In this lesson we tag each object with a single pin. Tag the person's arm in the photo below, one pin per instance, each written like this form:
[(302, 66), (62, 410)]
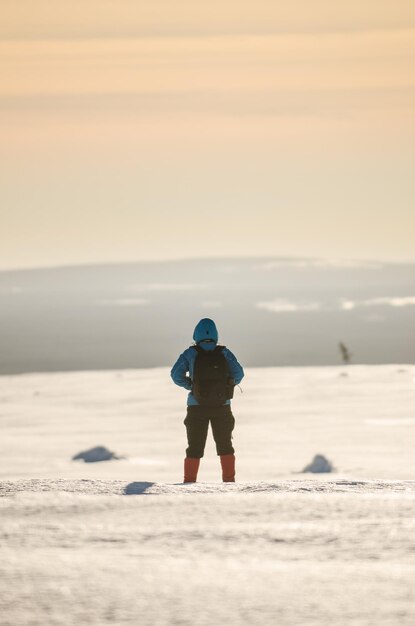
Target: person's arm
[(235, 368), (179, 373)]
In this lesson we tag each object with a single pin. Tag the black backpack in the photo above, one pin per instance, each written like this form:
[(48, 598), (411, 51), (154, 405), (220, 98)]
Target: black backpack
[(211, 385)]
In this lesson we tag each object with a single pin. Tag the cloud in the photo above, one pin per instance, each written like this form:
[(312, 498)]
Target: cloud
[(313, 263), (282, 305), (124, 302), (349, 305), (287, 306), (166, 287)]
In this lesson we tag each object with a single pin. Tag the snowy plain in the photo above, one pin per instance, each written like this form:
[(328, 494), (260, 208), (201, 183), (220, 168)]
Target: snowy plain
[(124, 542)]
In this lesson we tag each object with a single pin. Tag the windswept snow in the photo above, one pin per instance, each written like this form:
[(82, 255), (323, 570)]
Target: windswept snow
[(126, 542), (297, 552), (364, 423), (119, 487)]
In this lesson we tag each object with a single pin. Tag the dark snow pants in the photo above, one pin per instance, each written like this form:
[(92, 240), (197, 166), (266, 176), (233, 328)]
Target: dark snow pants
[(197, 425)]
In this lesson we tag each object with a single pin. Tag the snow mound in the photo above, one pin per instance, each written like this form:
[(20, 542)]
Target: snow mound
[(95, 455), (319, 465)]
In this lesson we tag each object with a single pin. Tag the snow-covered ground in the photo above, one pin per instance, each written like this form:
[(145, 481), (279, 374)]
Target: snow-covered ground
[(123, 541)]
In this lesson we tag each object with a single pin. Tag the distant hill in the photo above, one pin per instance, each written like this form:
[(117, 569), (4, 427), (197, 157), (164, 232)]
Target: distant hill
[(279, 311)]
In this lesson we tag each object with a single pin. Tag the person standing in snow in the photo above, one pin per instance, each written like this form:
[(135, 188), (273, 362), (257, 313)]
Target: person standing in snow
[(209, 372)]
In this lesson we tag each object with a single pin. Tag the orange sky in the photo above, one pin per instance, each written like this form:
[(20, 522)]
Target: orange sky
[(143, 130)]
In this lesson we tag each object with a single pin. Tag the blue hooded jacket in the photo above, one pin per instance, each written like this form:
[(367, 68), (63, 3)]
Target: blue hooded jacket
[(182, 370)]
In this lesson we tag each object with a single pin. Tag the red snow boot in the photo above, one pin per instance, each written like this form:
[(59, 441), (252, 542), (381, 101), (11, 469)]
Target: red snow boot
[(228, 468), (191, 467)]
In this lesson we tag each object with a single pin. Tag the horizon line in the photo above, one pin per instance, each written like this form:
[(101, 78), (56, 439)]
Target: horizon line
[(333, 261)]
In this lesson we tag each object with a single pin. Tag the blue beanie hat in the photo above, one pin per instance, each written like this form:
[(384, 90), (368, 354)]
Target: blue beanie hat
[(205, 329)]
